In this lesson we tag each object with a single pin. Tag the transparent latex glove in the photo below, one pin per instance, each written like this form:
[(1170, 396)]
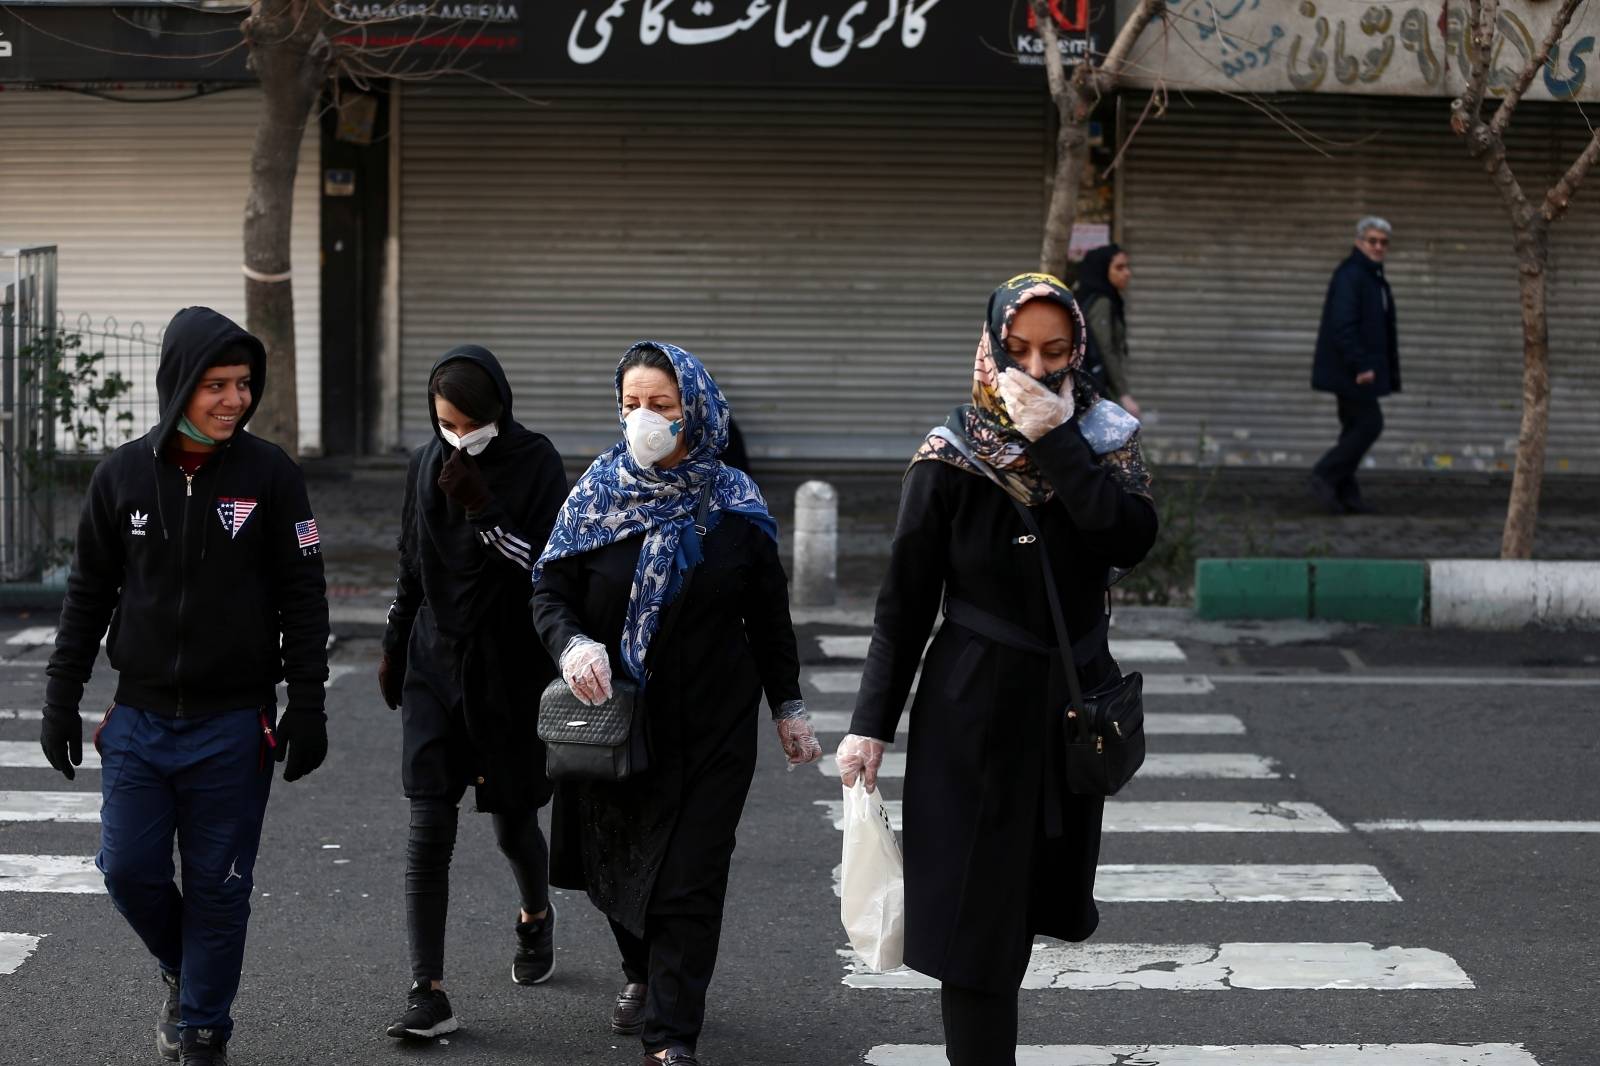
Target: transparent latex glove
[(862, 756), (1033, 408), (586, 669), (795, 734)]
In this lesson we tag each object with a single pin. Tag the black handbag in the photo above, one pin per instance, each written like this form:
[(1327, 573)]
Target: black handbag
[(609, 742), (1104, 730)]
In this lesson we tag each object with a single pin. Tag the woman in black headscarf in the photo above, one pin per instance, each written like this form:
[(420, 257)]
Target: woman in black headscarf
[(1103, 277), (996, 848), (462, 662)]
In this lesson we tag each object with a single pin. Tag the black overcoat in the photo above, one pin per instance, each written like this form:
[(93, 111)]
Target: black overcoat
[(995, 849), (459, 623), (1357, 332), (662, 841)]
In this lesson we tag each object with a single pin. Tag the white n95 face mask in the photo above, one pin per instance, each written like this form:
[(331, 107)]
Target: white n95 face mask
[(472, 443), (651, 437)]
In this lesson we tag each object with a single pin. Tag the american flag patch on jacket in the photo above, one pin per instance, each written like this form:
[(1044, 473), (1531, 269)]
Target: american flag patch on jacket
[(306, 533)]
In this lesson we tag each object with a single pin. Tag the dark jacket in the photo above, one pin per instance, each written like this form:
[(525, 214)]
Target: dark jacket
[(995, 849), (1357, 333), (213, 589), (664, 839), (470, 572)]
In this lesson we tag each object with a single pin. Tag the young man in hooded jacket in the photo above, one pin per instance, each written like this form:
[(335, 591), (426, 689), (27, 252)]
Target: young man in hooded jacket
[(197, 547)]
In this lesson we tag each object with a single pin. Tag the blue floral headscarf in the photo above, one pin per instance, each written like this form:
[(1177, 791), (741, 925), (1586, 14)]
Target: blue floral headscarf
[(616, 498)]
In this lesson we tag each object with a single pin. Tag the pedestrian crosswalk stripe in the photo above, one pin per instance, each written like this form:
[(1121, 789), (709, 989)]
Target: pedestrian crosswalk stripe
[(1135, 651), (1174, 816), (33, 637), (1228, 1055), (1468, 826), (1161, 723), (1223, 766), (1243, 883), (14, 950), (16, 714), (49, 806), (1210, 968), (834, 682), (27, 755), (50, 873)]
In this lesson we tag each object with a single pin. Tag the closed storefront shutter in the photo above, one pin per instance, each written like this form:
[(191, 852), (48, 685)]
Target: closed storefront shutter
[(145, 201), (1234, 225), (827, 253)]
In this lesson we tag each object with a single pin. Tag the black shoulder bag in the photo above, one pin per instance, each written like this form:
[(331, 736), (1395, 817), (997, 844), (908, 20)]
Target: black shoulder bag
[(609, 742), (1105, 729)]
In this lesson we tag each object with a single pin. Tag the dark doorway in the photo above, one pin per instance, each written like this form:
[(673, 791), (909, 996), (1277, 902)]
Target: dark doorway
[(355, 213)]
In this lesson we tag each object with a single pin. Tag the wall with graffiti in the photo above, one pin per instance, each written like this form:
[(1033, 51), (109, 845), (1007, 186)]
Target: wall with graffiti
[(1419, 48)]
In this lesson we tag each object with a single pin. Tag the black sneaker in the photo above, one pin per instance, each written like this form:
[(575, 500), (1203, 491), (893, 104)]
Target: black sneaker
[(427, 1015), (535, 959), (204, 1047), (167, 1044)]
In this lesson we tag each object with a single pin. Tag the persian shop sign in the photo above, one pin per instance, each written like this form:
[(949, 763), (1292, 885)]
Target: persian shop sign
[(1404, 48)]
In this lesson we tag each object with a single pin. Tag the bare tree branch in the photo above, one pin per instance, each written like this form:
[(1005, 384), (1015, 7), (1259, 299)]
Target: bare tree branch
[(1482, 20), (1110, 69), (1513, 97), (1054, 69), (1559, 197)]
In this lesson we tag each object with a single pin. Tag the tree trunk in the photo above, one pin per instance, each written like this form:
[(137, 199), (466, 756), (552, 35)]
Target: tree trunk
[(1072, 141), (291, 72), (1522, 513)]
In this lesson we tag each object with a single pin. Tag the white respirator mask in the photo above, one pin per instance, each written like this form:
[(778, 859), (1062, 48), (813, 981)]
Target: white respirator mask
[(472, 443), (651, 437)]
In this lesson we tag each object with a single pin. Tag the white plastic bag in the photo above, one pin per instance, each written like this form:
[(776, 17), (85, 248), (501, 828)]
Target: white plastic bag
[(872, 881)]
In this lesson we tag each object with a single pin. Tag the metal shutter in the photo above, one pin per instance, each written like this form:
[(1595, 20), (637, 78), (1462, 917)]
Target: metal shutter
[(1233, 226), (828, 253), (146, 204)]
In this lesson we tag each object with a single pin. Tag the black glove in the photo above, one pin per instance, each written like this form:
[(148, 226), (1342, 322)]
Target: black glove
[(391, 678), (302, 742), (61, 737), (462, 481)]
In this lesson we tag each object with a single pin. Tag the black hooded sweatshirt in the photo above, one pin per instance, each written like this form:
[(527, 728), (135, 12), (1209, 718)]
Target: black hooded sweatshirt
[(212, 585), (472, 570)]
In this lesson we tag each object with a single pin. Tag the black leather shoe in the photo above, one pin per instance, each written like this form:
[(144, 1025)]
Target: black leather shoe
[(627, 1017), (675, 1057), (1326, 496)]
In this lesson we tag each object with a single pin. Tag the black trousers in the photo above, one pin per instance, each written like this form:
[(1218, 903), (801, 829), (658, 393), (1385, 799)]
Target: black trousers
[(1360, 425), (675, 959), (980, 1028), (428, 852)]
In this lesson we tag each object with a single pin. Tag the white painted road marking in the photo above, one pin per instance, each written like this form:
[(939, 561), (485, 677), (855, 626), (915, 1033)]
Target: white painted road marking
[(1160, 724), (1211, 968), (1431, 680), (49, 806), (33, 637), (50, 873), (1136, 651), (1126, 816), (1226, 766), (834, 682), (11, 714), (1448, 826), (27, 755), (1228, 1055), (1243, 883), (1236, 884), (14, 950)]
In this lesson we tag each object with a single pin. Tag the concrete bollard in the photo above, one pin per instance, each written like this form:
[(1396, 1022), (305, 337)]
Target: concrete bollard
[(816, 544)]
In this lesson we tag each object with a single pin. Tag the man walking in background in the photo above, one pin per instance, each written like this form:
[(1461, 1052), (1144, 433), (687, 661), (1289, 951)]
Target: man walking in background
[(1358, 360)]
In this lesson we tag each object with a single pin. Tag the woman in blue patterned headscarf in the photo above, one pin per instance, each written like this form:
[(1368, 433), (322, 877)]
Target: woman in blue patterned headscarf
[(653, 851)]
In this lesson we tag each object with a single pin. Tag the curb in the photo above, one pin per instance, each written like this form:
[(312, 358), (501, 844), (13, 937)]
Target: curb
[(1491, 594)]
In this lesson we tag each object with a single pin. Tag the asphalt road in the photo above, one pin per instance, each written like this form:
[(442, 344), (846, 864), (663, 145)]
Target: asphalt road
[(1364, 727)]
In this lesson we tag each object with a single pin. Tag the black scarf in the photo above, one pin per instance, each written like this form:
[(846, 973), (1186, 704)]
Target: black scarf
[(1094, 279)]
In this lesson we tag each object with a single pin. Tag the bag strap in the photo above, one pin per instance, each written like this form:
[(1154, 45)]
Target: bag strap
[(1057, 618)]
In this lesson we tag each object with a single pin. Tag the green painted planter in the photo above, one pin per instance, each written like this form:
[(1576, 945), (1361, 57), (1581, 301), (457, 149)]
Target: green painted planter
[(1252, 588), (1385, 591)]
